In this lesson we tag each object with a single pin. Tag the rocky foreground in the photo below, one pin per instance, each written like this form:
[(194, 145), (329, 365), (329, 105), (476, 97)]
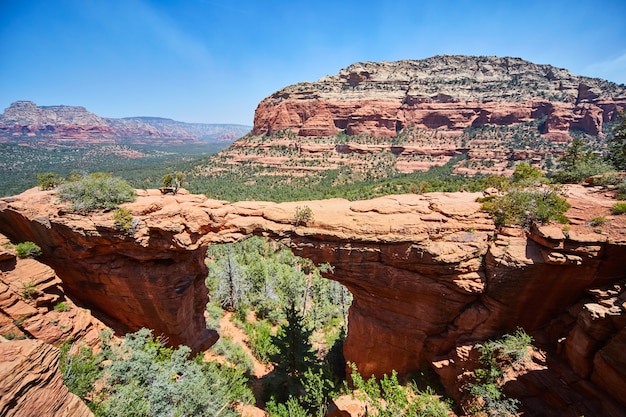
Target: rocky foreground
[(430, 275)]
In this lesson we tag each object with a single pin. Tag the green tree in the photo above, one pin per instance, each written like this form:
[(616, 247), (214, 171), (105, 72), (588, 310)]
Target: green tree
[(294, 356), (232, 287), (526, 174), (578, 162), (145, 378), (48, 180), (617, 145)]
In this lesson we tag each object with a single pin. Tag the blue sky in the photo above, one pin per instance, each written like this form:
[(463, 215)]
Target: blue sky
[(213, 61)]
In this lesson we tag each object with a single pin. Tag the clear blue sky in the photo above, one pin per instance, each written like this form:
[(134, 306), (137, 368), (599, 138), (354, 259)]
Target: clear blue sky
[(213, 61)]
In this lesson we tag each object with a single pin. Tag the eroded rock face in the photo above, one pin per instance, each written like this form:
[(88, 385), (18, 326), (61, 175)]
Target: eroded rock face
[(428, 272), (442, 92), (32, 384), (33, 304)]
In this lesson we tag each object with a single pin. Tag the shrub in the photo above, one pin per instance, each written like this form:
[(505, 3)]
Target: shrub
[(303, 215), (80, 371), (142, 377), (48, 180), (29, 290), (96, 191), (27, 250), (618, 208), (523, 207), (260, 340), (598, 221), (62, 307), (579, 163), (526, 174), (617, 144), (494, 354), (498, 182), (621, 190), (387, 398), (171, 183), (124, 220), (233, 353)]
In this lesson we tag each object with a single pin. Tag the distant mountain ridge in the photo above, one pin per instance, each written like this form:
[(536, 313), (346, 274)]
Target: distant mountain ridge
[(24, 119)]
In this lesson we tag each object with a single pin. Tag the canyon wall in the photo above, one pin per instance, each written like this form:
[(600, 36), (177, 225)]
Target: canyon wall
[(442, 92), (428, 273)]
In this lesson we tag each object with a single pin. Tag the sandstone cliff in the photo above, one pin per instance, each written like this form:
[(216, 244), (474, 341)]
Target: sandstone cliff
[(429, 273), (65, 125), (442, 92), (381, 119), (32, 384)]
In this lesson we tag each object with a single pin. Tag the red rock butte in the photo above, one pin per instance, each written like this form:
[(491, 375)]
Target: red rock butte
[(428, 273), (442, 92)]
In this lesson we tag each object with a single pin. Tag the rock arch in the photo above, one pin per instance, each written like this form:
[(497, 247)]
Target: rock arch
[(428, 272)]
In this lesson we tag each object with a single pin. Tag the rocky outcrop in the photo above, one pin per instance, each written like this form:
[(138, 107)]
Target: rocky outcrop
[(428, 272), (32, 384), (74, 125), (33, 304), (442, 92)]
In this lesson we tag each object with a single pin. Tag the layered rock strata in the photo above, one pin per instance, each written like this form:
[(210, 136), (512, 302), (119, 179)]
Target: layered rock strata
[(428, 272), (33, 304), (442, 92), (32, 384)]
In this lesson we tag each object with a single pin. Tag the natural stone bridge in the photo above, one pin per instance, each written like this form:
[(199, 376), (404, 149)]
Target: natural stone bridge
[(427, 272)]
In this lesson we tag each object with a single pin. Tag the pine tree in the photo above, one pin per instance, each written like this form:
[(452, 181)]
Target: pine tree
[(617, 145), (295, 354)]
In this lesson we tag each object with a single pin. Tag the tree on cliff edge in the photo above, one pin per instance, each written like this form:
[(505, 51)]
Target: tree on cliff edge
[(617, 145)]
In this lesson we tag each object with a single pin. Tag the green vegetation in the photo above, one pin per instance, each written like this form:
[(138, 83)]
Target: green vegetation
[(598, 221), (618, 208), (528, 200), (617, 144), (80, 370), (143, 166), (29, 290), (495, 356), (621, 190), (387, 398), (171, 183), (578, 163), (142, 377), (292, 307), (27, 250), (124, 220), (96, 191), (526, 174), (260, 338), (234, 354), (49, 180), (62, 307), (266, 277), (303, 215), (523, 207), (251, 182)]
